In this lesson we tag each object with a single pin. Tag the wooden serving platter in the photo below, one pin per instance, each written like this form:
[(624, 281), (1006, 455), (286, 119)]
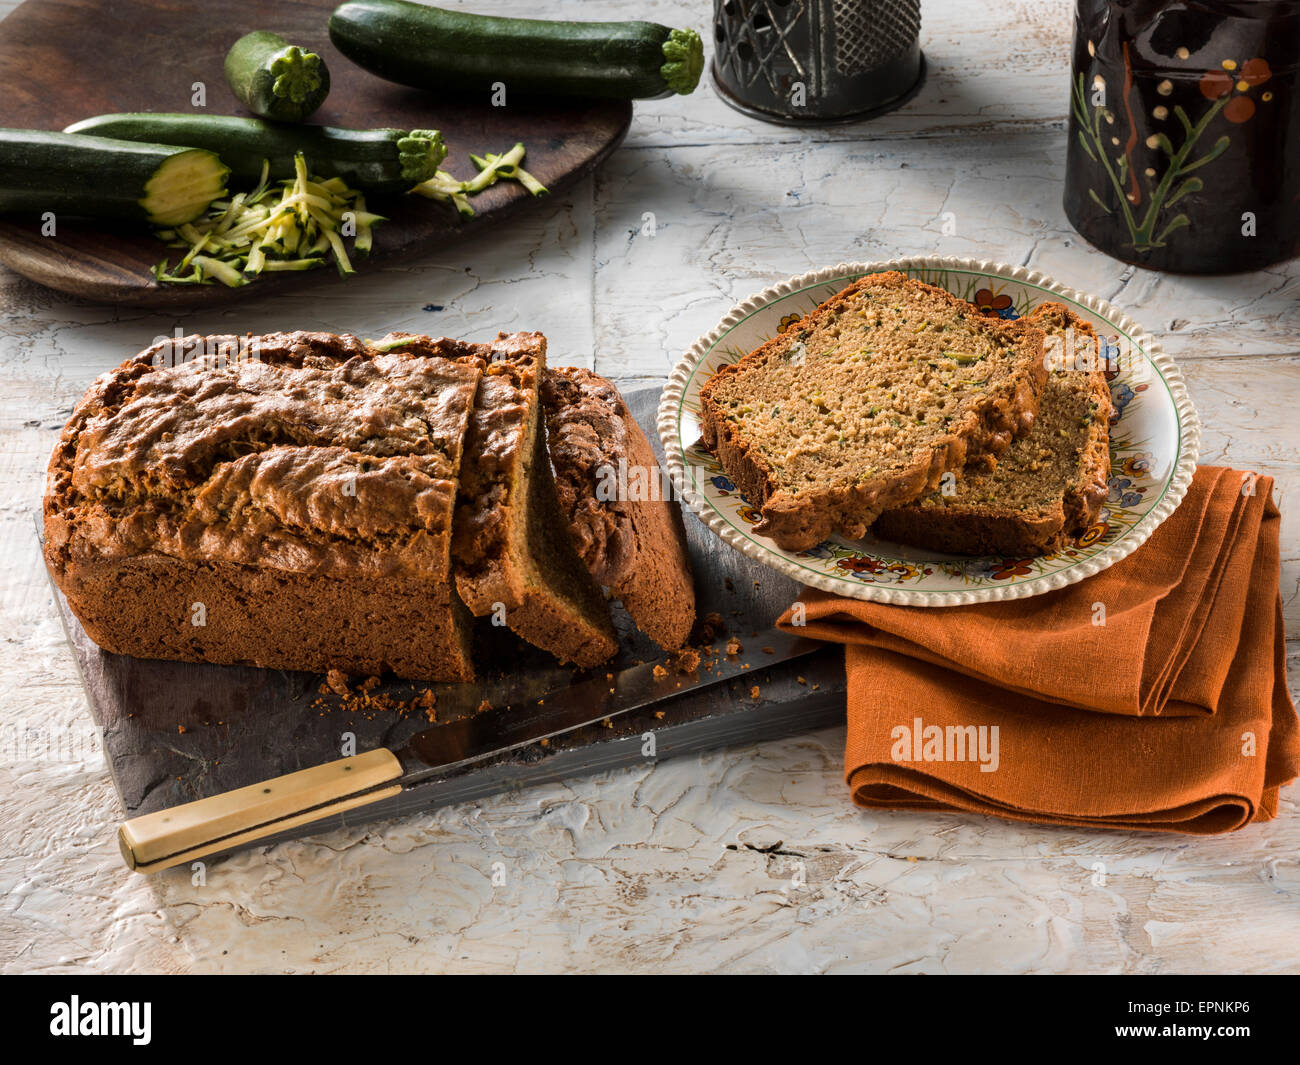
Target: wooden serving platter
[(178, 731), (64, 60)]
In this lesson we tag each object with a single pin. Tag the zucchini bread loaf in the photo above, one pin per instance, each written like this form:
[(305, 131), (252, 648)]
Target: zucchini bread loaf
[(1049, 485), (625, 528), (866, 402), (283, 501)]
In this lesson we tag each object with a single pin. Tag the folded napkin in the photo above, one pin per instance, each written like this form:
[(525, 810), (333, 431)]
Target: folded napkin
[(1152, 696)]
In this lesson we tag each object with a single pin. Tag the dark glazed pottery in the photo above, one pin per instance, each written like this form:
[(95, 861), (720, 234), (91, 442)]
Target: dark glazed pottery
[(1184, 150)]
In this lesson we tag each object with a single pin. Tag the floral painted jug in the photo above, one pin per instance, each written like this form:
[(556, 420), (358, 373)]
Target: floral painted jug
[(1184, 150)]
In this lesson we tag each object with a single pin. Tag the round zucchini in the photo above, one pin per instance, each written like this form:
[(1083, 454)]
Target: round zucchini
[(275, 79), (431, 48), (377, 160), (95, 176)]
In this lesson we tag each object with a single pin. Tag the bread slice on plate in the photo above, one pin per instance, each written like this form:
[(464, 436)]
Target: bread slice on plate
[(626, 528), (511, 549), (1049, 485), (866, 402)]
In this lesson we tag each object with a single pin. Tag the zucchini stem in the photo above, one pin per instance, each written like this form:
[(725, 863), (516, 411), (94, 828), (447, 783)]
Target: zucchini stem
[(683, 61), (420, 153), (297, 74)]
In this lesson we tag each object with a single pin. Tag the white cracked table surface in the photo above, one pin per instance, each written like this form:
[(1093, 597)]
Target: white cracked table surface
[(672, 867)]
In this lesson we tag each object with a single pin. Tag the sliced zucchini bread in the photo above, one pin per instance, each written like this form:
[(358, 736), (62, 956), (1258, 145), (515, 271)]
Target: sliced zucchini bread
[(623, 524), (865, 403), (511, 548), (1049, 485)]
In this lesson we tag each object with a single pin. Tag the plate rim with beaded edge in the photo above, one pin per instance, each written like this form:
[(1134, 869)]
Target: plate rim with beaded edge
[(1154, 445)]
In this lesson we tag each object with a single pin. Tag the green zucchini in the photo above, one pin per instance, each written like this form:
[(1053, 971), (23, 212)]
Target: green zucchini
[(275, 79), (94, 176), (430, 48), (377, 160)]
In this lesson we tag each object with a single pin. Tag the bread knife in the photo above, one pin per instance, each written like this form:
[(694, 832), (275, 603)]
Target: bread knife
[(232, 819)]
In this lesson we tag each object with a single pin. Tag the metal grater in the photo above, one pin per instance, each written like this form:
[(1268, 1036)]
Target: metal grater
[(817, 61)]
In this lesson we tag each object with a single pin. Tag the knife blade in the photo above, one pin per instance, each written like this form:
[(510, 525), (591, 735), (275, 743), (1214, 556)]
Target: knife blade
[(232, 819), (447, 747)]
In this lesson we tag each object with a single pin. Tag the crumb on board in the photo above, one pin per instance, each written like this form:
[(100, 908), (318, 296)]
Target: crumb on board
[(337, 681), (768, 651), (801, 680), (734, 646), (687, 660), (181, 729), (754, 692), (660, 672), (484, 705), (659, 715)]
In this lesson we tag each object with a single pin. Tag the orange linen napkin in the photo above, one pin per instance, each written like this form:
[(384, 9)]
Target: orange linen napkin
[(1173, 715)]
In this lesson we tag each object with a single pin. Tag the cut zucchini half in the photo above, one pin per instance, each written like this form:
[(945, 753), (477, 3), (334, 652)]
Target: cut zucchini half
[(165, 185)]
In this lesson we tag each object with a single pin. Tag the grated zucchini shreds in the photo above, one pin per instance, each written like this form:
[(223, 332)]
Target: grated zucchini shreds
[(289, 226), (442, 186)]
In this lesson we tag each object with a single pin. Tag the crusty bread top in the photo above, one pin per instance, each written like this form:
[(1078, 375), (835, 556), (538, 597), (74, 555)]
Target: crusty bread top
[(492, 509), (293, 451), (587, 434), (626, 528)]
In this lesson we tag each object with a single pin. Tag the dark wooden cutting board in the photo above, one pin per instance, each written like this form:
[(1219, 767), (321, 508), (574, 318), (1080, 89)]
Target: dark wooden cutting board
[(64, 60), (179, 731)]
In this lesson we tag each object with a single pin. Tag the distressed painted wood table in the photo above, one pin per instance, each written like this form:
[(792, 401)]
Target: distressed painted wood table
[(746, 859)]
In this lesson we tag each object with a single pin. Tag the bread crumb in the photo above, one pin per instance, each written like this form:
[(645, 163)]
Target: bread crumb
[(687, 660), (815, 687), (734, 646), (768, 651), (659, 715), (660, 672), (544, 742), (608, 723), (370, 684), (801, 680), (181, 729), (484, 705), (754, 692), (338, 682)]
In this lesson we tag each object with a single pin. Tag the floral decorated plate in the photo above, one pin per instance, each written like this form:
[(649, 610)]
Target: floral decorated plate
[(1153, 444)]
